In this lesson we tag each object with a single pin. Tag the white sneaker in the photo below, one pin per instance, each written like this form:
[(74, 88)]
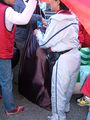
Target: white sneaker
[(53, 117)]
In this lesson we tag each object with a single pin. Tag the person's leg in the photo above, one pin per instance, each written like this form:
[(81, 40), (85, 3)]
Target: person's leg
[(63, 70), (54, 94), (70, 90), (6, 84), (86, 87), (85, 100), (60, 81)]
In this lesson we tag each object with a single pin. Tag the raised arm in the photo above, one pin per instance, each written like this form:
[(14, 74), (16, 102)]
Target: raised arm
[(21, 18)]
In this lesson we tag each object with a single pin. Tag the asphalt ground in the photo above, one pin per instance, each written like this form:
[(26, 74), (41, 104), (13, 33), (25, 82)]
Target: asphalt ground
[(34, 112)]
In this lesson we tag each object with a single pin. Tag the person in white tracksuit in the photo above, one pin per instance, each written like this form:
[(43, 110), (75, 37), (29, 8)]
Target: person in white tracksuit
[(66, 68)]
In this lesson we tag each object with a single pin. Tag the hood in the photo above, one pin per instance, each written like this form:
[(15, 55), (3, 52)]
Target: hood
[(66, 17)]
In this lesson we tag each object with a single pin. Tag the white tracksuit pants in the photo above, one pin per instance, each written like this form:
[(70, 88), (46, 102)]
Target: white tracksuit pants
[(64, 77)]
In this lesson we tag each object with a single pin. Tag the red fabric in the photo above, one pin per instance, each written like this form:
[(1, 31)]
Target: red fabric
[(47, 1), (82, 9), (64, 12), (6, 37), (84, 37), (86, 87)]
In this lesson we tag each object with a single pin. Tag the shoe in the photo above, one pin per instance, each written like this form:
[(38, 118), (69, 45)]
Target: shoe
[(53, 117), (18, 109), (83, 101)]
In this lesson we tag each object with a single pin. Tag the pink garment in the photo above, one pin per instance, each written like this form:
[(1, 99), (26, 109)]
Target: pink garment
[(86, 87)]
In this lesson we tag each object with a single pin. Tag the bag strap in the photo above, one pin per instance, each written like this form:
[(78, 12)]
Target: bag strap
[(58, 32)]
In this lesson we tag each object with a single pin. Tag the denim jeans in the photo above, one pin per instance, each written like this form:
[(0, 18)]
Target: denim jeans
[(88, 116), (6, 83)]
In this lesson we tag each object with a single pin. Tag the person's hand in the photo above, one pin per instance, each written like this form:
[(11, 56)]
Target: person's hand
[(25, 2), (38, 34), (35, 31), (44, 22), (33, 2)]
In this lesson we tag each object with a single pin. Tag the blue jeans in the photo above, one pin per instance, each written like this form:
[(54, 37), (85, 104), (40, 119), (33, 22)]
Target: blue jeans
[(88, 116), (6, 84)]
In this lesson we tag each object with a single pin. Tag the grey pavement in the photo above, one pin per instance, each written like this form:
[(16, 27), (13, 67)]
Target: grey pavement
[(34, 112)]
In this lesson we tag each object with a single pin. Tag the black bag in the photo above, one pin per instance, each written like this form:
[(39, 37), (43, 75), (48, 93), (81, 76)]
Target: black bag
[(16, 56), (52, 57)]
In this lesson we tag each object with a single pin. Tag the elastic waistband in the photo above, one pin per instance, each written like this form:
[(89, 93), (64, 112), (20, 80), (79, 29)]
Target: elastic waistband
[(61, 52)]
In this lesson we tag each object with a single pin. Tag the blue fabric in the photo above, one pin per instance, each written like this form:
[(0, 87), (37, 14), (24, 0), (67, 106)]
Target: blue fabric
[(21, 32), (19, 6), (6, 84), (84, 72), (88, 116)]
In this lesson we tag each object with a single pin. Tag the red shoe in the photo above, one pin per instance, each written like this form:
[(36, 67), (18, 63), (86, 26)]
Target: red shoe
[(18, 109)]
